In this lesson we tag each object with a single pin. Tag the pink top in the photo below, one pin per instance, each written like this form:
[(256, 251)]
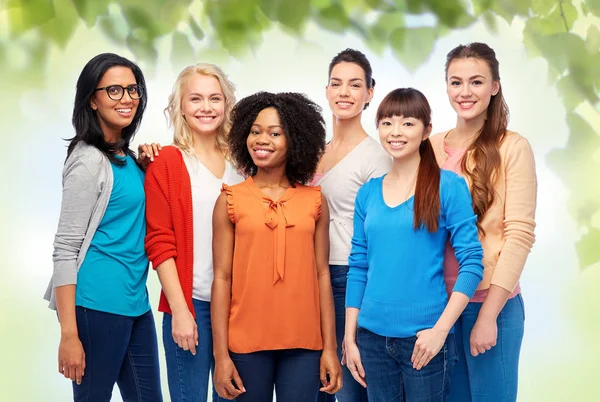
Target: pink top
[(316, 178), (453, 163)]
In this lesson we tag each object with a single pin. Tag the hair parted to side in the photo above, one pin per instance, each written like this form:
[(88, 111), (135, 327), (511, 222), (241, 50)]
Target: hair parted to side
[(85, 120), (356, 57), (409, 102), (485, 149), (182, 135), (303, 126)]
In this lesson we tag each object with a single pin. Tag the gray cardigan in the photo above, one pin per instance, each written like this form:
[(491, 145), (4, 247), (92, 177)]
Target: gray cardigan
[(87, 185)]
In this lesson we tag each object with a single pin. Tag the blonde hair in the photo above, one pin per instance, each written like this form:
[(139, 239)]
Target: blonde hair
[(182, 135)]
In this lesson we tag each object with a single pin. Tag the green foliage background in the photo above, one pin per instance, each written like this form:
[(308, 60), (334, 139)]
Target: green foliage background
[(565, 33)]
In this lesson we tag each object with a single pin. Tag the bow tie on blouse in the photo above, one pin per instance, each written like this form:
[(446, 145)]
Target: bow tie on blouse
[(276, 219)]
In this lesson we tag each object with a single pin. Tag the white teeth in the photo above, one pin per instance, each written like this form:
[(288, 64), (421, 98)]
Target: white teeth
[(262, 152), (123, 110), (206, 118)]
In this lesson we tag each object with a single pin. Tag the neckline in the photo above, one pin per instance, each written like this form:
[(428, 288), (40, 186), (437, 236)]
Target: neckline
[(327, 173), (192, 158), (288, 193), (383, 198)]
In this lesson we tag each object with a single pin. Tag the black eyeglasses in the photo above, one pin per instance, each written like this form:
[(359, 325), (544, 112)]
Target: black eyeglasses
[(116, 92)]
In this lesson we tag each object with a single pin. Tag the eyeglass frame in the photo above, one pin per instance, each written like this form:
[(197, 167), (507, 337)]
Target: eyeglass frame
[(139, 87)]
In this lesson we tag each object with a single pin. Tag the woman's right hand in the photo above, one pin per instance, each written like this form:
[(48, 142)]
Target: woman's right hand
[(71, 358), (185, 330), (228, 383), (354, 363)]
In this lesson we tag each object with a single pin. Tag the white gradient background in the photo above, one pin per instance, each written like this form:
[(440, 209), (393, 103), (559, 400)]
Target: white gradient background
[(560, 351)]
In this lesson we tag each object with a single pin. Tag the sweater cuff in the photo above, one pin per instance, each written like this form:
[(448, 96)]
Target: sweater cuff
[(467, 283), (354, 294)]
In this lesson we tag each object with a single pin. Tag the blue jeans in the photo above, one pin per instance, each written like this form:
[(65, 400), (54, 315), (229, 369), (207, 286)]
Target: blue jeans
[(293, 372), (492, 376), (351, 391), (187, 374), (390, 375), (118, 349)]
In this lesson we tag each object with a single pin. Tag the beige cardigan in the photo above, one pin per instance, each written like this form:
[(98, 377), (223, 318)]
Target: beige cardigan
[(509, 223)]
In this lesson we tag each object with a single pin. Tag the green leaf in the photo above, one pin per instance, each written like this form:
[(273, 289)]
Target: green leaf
[(450, 12), (182, 51), (333, 18), (569, 92), (196, 30), (237, 23), (588, 248), (413, 46), (381, 5), (481, 6), (543, 7), (61, 28), (90, 10), (142, 49), (114, 27), (293, 14), (24, 15), (592, 40), (593, 6)]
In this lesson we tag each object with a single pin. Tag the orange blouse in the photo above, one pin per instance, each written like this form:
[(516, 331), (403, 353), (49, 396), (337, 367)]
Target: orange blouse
[(274, 290)]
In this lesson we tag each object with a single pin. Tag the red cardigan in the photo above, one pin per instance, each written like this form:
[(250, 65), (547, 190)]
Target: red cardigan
[(169, 222)]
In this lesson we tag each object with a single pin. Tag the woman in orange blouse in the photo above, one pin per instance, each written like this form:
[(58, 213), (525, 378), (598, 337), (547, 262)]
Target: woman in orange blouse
[(272, 312)]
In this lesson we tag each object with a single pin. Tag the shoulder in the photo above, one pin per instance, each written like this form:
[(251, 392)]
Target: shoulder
[(372, 148), (371, 185), (448, 177), (86, 157), (437, 140), (169, 153), (168, 161), (452, 184), (514, 141)]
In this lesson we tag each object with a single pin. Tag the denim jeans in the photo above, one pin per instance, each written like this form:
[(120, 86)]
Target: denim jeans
[(118, 349), (293, 372), (492, 376), (188, 375), (390, 375), (351, 391)]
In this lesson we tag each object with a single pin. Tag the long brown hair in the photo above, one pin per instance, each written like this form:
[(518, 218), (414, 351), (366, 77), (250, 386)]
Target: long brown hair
[(409, 102), (485, 149)]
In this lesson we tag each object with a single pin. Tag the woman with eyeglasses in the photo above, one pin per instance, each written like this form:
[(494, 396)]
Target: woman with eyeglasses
[(100, 267)]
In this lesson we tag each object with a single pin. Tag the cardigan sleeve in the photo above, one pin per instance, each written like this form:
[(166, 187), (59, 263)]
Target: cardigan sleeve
[(519, 214), (160, 235), (79, 197)]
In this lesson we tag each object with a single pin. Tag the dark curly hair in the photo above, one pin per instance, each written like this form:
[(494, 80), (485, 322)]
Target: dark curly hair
[(302, 123)]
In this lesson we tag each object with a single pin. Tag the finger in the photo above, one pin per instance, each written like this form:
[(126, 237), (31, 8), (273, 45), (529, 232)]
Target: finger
[(359, 373), (186, 345), (192, 345), (474, 351), (196, 336), (481, 350), (323, 376), (155, 148), (425, 357), (78, 375), (72, 372), (238, 381)]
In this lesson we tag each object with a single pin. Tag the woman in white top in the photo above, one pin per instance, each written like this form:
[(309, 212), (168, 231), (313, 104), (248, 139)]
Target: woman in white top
[(182, 185), (351, 158)]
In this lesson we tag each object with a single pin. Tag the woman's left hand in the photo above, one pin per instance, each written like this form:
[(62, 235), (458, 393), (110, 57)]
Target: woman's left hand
[(330, 366), (428, 345), (147, 152), (483, 335)]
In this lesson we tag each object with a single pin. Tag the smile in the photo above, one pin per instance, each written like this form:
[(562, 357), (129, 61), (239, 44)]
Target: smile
[(397, 144), (466, 105), (262, 153), (206, 118)]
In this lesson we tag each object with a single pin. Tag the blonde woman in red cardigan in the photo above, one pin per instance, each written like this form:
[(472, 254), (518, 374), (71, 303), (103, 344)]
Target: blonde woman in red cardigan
[(182, 185)]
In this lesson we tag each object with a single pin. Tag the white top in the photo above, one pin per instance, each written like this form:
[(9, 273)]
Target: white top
[(340, 185), (206, 188)]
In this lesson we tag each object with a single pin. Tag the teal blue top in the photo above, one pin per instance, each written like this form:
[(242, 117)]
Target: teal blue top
[(396, 275), (112, 277)]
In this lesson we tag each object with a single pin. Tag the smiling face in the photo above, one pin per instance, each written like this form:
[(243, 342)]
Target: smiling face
[(203, 104), (470, 87), (347, 91), (114, 115), (402, 136), (266, 141)]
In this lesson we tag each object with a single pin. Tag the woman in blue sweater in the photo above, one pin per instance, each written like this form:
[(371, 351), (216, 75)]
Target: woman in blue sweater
[(399, 318)]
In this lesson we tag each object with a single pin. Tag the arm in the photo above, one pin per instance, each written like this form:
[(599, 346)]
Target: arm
[(461, 224), (357, 281), (79, 198), (519, 224), (228, 383), (329, 362), (161, 245)]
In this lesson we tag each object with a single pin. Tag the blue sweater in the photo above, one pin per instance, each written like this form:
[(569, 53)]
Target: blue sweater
[(396, 275)]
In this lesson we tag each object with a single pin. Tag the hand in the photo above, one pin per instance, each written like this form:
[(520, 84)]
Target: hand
[(428, 345), (343, 351), (354, 363), (71, 358), (147, 152), (227, 381), (185, 331), (483, 335), (330, 366)]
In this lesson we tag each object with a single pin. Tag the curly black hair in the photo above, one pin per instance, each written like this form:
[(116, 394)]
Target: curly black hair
[(302, 123)]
